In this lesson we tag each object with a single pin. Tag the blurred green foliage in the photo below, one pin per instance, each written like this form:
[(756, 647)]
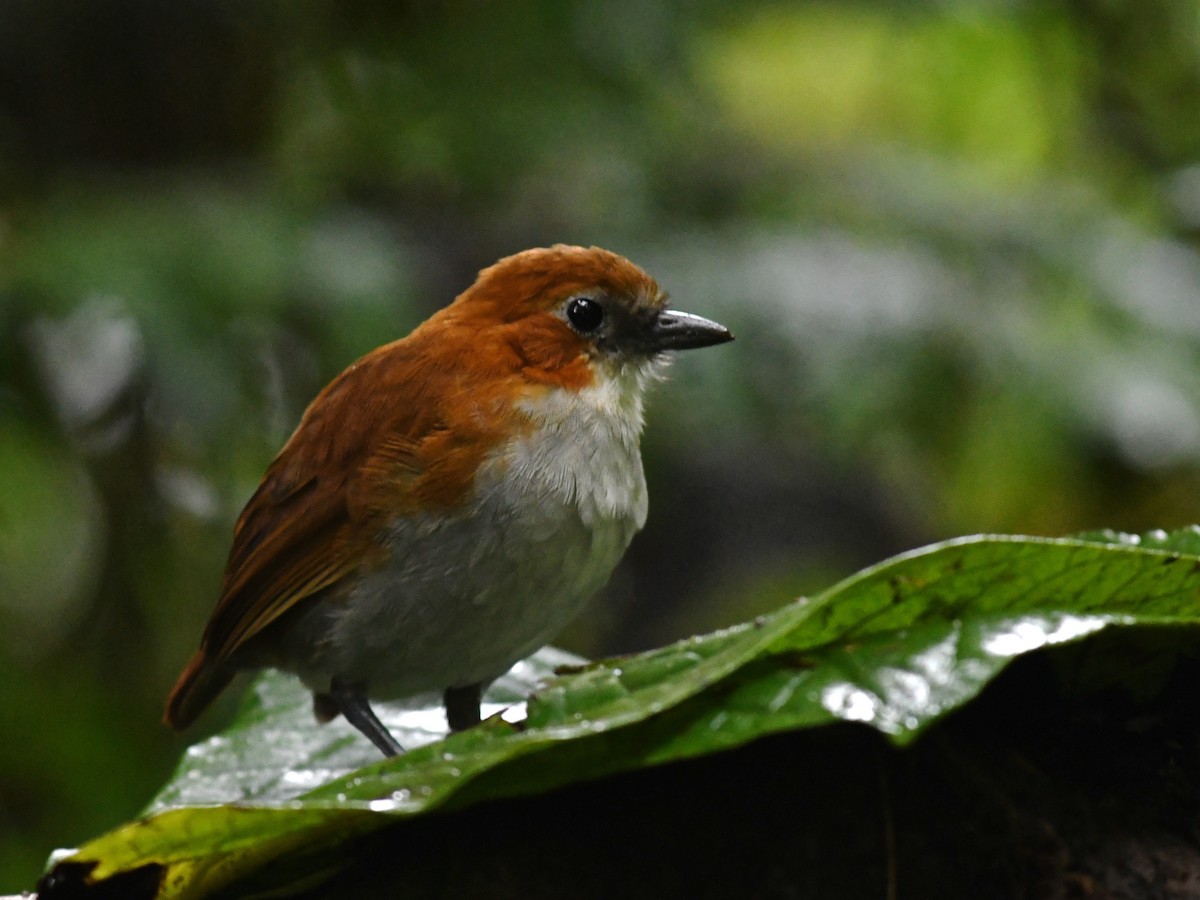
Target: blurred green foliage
[(957, 243)]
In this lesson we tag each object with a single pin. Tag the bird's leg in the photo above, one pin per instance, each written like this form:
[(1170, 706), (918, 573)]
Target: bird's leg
[(352, 701), (462, 706), (325, 708)]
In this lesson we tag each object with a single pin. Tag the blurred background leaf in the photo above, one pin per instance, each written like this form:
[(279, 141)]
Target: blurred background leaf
[(957, 243)]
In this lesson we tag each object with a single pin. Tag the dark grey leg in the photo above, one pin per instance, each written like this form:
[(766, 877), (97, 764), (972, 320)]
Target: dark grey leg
[(352, 701), (325, 708), (462, 706)]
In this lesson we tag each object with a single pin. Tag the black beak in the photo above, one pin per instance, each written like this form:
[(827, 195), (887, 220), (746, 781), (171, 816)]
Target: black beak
[(675, 330)]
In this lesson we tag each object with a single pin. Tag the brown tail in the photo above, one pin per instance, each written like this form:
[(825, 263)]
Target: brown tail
[(196, 688)]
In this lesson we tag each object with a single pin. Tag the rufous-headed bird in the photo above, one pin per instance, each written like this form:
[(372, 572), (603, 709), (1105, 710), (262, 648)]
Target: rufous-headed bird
[(451, 500)]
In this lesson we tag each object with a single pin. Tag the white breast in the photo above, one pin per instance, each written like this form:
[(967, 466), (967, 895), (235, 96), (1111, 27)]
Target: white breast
[(584, 451)]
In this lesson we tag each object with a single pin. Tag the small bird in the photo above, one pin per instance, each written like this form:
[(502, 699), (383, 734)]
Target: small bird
[(451, 500)]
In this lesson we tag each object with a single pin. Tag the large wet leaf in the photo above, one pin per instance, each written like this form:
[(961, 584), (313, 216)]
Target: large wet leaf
[(894, 647)]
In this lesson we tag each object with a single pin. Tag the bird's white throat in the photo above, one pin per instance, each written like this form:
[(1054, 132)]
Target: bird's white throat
[(584, 448)]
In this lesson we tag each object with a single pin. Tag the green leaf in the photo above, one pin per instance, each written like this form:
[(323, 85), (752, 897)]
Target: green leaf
[(895, 647)]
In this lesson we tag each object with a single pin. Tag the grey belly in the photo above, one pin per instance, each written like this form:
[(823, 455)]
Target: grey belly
[(461, 601)]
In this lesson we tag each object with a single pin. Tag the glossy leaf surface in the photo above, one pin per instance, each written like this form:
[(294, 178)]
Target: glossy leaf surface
[(894, 647)]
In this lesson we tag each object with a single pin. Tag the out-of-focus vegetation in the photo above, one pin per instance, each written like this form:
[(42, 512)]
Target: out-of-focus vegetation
[(957, 243)]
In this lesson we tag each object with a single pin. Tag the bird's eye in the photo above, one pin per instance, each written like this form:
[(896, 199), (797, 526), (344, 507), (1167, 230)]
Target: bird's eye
[(585, 314)]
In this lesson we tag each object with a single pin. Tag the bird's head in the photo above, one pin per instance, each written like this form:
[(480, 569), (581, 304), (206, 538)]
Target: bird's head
[(579, 316)]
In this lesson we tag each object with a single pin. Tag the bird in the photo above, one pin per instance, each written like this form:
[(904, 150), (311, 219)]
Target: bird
[(450, 501)]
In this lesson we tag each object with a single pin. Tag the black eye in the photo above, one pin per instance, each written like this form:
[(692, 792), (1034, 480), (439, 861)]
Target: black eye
[(585, 314)]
